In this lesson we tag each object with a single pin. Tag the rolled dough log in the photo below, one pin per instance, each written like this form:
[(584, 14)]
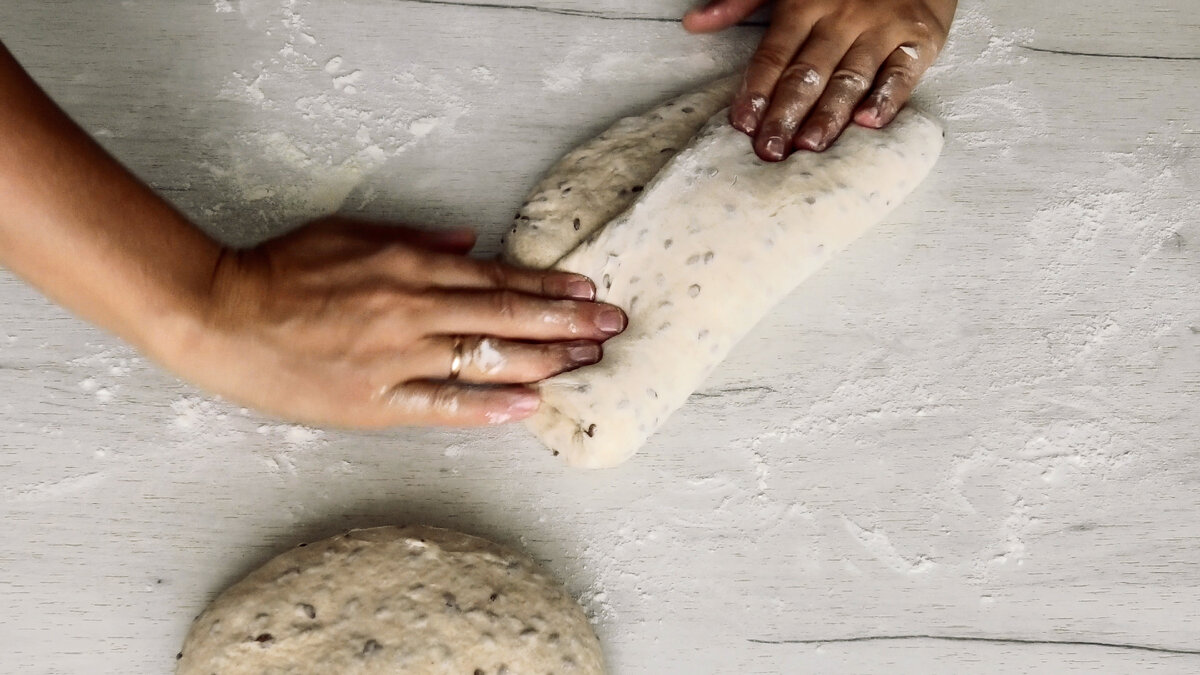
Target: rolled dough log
[(712, 243), (596, 181), (414, 600)]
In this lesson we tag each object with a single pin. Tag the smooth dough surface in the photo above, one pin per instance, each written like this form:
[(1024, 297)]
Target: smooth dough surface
[(411, 600), (712, 243), (597, 180)]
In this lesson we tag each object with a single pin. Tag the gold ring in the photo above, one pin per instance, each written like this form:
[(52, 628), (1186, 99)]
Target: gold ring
[(456, 360)]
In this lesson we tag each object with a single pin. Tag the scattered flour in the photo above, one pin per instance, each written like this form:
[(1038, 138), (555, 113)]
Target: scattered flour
[(103, 368), (483, 75), (880, 546), (1014, 398), (580, 67), (292, 434), (985, 113), (201, 422), (320, 124)]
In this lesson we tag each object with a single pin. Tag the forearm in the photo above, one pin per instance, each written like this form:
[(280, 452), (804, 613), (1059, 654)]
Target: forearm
[(83, 230)]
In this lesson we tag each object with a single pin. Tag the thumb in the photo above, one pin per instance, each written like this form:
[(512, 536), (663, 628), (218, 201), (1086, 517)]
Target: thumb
[(719, 15)]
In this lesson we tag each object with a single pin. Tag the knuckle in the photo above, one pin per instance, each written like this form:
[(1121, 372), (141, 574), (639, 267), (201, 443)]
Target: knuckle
[(398, 259), (829, 35), (851, 77), (802, 74), (923, 29), (404, 310), (444, 398), (549, 362), (377, 299), (770, 59), (495, 273), (896, 75), (920, 26), (506, 304)]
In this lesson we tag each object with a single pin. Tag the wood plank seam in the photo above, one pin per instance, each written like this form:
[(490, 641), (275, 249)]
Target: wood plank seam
[(564, 12), (988, 640)]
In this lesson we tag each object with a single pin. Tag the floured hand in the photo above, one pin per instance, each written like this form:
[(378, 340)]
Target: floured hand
[(365, 325), (823, 63)]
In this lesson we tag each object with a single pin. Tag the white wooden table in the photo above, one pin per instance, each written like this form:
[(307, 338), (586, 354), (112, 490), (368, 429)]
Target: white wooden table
[(971, 444)]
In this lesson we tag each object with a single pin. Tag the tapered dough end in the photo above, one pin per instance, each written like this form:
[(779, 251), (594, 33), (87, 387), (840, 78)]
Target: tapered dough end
[(599, 179)]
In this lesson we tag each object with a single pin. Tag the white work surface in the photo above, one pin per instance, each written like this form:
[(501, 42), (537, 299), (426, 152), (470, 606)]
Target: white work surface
[(970, 444)]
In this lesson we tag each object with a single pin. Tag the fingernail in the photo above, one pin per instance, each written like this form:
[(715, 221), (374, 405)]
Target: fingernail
[(868, 116), (773, 148), (611, 320), (812, 139), (581, 289), (583, 353)]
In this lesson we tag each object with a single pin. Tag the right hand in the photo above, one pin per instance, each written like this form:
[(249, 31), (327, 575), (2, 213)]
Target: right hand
[(354, 324), (823, 63)]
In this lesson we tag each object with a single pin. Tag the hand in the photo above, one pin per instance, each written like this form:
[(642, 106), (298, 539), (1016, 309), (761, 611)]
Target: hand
[(824, 62), (357, 324)]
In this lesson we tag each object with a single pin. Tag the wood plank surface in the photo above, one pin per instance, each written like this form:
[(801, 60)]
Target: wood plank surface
[(971, 444)]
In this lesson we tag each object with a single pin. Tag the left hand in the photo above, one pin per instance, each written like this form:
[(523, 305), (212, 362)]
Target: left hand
[(825, 62)]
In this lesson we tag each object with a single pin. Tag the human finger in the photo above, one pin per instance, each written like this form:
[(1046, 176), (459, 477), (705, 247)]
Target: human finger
[(800, 86), (848, 85), (894, 84), (455, 404), (378, 233), (488, 360), (518, 316), (458, 241), (468, 273), (773, 54), (719, 15)]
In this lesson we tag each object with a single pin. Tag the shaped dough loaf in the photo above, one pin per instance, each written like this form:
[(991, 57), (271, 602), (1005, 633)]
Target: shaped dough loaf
[(715, 240)]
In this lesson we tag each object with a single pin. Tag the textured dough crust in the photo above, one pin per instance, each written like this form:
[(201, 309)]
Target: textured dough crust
[(714, 241), (599, 179), (413, 600)]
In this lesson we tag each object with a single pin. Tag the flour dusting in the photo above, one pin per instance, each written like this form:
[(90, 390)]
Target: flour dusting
[(323, 124), (960, 435)]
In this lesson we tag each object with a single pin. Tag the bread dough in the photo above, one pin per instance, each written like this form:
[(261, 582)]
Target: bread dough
[(413, 600), (712, 243), (596, 181)]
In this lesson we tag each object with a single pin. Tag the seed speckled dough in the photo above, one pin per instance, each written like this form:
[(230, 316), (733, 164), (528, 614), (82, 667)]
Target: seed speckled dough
[(761, 228), (414, 600), (599, 179)]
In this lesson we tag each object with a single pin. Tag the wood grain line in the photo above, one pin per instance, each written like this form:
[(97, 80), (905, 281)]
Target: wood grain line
[(1100, 55), (563, 12), (734, 390), (989, 640)]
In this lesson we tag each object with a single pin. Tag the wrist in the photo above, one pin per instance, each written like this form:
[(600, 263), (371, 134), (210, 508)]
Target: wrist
[(174, 325)]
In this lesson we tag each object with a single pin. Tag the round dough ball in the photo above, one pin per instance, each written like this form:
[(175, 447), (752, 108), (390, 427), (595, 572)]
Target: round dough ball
[(394, 600)]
